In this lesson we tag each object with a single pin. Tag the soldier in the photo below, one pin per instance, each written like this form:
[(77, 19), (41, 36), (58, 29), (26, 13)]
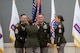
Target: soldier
[(44, 34), (32, 43), (20, 33), (59, 34)]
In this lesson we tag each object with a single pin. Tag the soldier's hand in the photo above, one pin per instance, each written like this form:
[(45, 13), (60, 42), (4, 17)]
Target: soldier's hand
[(49, 44), (58, 47)]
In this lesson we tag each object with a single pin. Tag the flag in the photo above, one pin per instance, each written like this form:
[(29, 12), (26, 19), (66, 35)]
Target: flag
[(14, 21), (76, 44), (1, 41), (39, 7), (39, 10), (34, 10), (53, 22), (76, 25)]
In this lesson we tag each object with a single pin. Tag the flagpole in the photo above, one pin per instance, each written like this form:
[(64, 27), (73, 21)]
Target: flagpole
[(13, 47), (14, 0), (75, 49), (13, 42), (1, 40), (35, 1)]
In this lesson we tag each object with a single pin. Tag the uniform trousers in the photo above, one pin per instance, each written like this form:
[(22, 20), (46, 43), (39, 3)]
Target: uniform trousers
[(32, 49), (44, 50), (19, 50), (61, 49)]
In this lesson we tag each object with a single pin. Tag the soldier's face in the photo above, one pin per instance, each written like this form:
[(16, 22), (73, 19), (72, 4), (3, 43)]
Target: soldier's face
[(40, 18), (24, 19), (57, 20)]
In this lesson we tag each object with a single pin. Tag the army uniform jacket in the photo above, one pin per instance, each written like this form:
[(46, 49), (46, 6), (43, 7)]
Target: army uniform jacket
[(32, 37), (44, 34), (59, 32), (20, 34)]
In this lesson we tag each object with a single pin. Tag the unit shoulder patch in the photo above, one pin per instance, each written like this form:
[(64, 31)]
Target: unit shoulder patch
[(17, 25), (60, 26)]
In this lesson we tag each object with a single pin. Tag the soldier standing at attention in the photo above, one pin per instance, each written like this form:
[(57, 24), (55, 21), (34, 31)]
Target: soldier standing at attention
[(59, 34), (20, 33), (44, 34)]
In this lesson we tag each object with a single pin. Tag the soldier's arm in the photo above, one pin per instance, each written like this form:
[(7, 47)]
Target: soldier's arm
[(17, 28), (49, 34), (60, 31)]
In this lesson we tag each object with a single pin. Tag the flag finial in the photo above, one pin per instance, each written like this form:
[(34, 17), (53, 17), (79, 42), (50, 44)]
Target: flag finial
[(14, 0)]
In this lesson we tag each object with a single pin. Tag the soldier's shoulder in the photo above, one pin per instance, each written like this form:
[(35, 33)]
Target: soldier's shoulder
[(60, 25), (46, 23), (17, 25)]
